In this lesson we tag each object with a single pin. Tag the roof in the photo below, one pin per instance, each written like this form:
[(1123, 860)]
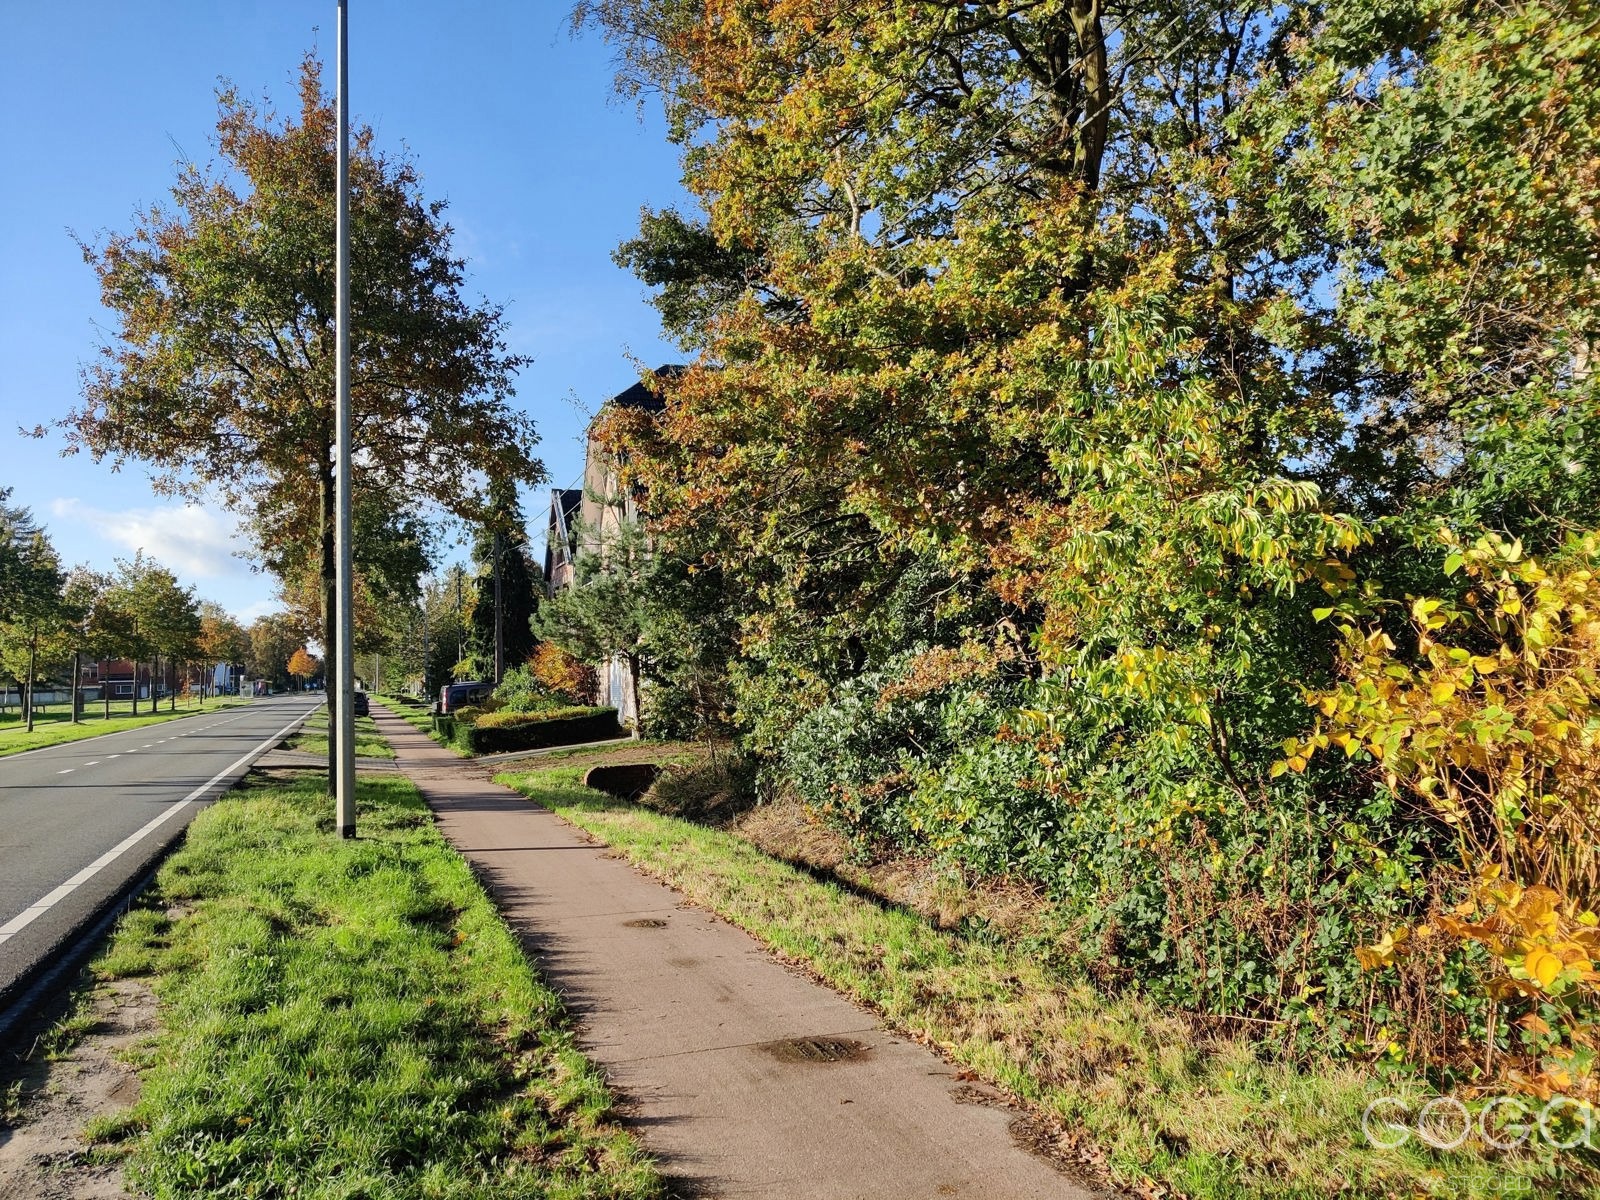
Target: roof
[(639, 396)]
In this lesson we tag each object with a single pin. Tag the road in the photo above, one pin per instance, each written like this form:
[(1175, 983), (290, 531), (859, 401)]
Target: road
[(78, 822)]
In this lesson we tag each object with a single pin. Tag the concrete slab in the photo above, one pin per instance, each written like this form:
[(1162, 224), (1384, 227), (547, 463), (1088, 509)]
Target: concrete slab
[(687, 1014)]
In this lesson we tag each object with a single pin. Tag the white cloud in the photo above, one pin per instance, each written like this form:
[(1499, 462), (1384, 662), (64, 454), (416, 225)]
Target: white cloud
[(195, 542)]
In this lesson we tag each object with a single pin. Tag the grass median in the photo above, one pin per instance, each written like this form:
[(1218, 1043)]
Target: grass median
[(313, 737), (350, 1018), (56, 728), (1135, 1091)]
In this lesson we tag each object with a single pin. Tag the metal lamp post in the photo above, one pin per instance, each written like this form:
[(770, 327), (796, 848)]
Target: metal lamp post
[(343, 717)]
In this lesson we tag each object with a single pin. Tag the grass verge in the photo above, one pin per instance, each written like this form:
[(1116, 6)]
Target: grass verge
[(419, 718), (1168, 1109), (57, 728), (313, 737), (350, 1019)]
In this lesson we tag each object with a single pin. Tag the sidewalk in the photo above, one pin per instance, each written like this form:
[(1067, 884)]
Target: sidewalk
[(743, 1078)]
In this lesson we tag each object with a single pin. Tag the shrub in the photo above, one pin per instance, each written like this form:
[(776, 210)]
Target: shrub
[(1489, 716), (520, 691), (499, 732), (563, 673)]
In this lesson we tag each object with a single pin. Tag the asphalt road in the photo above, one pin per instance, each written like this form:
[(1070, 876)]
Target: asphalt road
[(79, 822)]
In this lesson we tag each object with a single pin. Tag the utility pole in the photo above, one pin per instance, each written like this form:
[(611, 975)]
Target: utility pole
[(342, 721), (499, 618)]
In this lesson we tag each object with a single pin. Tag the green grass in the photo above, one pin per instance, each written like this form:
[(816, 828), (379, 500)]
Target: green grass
[(313, 737), (1214, 1119), (55, 727), (349, 1019)]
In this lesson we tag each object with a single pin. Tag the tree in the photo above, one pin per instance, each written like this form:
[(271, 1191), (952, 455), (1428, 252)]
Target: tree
[(224, 310), (222, 639), (107, 629), (273, 639), (505, 594), (602, 615), (18, 531), (302, 666), (35, 616), (163, 618), (1124, 344)]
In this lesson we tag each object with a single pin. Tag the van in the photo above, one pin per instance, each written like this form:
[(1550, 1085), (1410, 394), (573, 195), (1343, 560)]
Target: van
[(457, 695)]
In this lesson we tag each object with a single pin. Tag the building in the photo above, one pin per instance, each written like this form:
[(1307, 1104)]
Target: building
[(560, 539), (585, 520)]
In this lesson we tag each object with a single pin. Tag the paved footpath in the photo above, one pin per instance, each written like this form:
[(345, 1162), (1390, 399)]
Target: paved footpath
[(735, 1072)]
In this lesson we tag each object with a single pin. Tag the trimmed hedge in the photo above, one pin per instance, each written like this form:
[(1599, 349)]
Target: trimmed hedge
[(534, 731)]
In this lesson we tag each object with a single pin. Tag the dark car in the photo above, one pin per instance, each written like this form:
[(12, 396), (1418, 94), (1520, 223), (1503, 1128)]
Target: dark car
[(361, 707), (454, 695)]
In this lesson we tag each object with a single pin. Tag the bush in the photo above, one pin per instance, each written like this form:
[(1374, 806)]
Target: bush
[(520, 691), (494, 733), (563, 673)]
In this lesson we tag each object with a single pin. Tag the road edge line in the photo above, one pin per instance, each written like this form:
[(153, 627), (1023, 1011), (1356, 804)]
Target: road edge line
[(50, 899)]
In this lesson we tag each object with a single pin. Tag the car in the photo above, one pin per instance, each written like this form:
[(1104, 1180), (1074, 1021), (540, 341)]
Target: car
[(361, 706), (455, 695)]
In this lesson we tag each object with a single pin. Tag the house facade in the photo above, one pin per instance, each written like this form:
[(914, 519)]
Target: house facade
[(587, 520)]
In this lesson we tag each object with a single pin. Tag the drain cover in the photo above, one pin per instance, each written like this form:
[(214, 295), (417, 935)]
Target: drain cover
[(645, 923), (817, 1050)]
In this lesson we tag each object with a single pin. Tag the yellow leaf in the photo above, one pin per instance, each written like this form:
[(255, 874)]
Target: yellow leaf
[(1542, 966)]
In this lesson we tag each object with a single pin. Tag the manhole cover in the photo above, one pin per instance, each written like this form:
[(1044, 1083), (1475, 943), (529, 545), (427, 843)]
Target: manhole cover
[(645, 923), (818, 1050)]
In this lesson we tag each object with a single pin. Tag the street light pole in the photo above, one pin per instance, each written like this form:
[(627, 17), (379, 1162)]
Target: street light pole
[(344, 698)]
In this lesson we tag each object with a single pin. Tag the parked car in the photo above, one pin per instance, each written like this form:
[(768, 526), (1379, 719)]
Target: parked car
[(362, 708), (457, 695)]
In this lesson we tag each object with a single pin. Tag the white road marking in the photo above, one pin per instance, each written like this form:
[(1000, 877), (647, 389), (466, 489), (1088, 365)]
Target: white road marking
[(95, 763), (48, 901), (68, 771)]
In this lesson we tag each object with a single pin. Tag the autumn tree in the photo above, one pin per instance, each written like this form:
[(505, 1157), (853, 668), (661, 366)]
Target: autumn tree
[(302, 666), (222, 639), (273, 638), (224, 350), (1123, 345)]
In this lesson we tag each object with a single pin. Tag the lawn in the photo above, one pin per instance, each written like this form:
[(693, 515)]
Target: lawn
[(350, 1018), (1140, 1092), (54, 727), (313, 737)]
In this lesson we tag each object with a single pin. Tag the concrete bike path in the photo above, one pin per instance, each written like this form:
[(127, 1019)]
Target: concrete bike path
[(742, 1078)]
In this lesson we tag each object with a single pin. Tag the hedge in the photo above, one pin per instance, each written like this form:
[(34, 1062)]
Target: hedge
[(536, 731)]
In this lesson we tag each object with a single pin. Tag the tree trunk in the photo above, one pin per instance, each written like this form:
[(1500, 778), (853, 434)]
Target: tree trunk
[(634, 672), (105, 686), (33, 663), (330, 614), (77, 674)]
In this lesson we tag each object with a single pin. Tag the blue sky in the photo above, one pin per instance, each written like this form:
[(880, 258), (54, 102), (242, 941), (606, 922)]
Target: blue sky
[(509, 117)]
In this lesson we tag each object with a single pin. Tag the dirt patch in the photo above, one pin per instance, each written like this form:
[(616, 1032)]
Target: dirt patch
[(42, 1153)]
